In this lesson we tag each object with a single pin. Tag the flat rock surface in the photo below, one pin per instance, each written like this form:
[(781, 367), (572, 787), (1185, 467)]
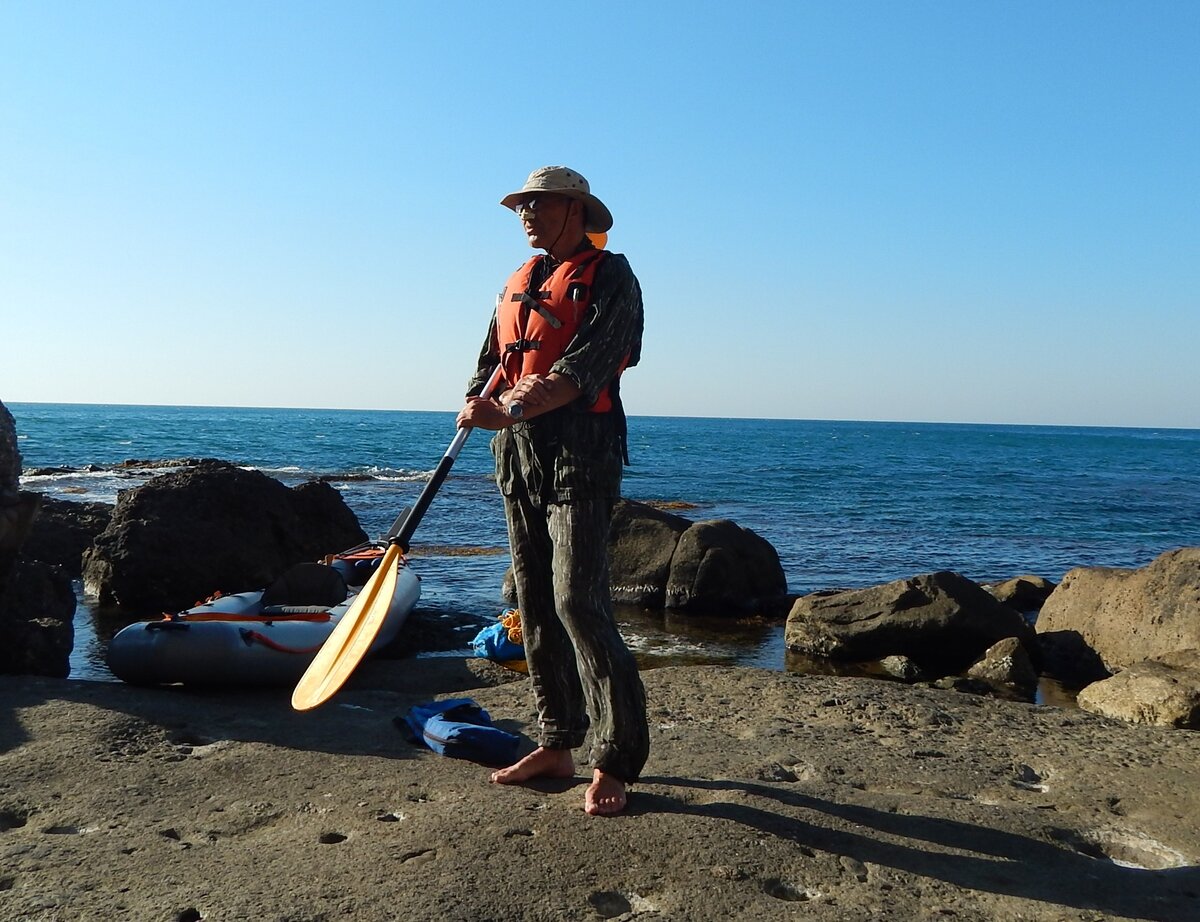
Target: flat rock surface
[(767, 796)]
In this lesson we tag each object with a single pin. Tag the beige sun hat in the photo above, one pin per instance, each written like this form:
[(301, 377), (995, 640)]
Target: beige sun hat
[(564, 181)]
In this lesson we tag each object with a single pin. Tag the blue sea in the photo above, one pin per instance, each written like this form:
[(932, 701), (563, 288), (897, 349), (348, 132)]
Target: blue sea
[(846, 504)]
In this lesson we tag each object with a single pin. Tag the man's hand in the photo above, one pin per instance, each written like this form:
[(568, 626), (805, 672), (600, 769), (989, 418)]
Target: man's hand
[(532, 391), (538, 394), (482, 413), (534, 394)]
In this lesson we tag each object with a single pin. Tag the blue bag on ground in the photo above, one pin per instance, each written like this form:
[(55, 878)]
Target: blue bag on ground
[(501, 641), (461, 729)]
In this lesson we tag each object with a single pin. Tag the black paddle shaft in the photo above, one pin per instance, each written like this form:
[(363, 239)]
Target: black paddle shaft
[(417, 512), (413, 519)]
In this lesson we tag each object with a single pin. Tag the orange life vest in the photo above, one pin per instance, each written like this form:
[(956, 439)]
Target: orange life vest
[(533, 331)]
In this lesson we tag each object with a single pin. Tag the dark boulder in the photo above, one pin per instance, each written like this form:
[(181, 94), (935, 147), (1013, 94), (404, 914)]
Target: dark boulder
[(10, 458), (17, 509), (641, 545), (720, 567), (942, 621), (63, 530), (215, 527), (661, 560), (37, 611), (37, 603)]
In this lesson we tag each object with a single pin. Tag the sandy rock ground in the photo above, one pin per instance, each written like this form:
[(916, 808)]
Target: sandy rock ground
[(767, 796)]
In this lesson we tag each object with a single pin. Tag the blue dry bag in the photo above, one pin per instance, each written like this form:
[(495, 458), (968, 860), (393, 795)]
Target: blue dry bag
[(461, 729), (496, 641)]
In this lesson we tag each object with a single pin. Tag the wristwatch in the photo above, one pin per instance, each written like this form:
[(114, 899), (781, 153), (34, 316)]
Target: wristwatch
[(515, 410)]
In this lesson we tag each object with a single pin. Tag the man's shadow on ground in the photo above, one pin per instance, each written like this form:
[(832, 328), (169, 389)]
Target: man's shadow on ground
[(995, 861)]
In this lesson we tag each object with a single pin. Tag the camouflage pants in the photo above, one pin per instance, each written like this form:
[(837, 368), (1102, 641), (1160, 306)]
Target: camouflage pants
[(577, 659)]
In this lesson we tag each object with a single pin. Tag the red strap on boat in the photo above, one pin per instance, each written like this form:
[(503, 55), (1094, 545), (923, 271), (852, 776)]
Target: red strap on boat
[(270, 644)]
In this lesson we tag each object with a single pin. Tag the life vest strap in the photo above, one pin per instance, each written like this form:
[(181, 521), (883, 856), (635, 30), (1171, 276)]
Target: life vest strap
[(534, 304), (524, 345)]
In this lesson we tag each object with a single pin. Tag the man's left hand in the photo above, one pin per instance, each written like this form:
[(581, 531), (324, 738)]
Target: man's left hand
[(482, 413)]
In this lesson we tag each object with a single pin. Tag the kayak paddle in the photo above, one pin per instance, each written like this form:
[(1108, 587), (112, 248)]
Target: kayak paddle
[(350, 640)]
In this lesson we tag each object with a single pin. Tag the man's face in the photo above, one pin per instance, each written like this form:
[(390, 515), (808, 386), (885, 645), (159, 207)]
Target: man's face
[(544, 217)]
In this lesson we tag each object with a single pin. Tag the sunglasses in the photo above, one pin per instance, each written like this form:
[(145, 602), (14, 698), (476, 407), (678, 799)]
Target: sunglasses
[(534, 205)]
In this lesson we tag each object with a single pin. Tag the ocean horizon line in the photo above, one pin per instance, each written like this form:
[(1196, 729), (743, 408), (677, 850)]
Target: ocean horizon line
[(649, 416)]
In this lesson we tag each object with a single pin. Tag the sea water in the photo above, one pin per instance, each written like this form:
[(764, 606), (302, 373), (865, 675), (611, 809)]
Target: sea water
[(846, 504)]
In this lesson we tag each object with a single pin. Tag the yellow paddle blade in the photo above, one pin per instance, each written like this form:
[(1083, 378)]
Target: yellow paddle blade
[(351, 639)]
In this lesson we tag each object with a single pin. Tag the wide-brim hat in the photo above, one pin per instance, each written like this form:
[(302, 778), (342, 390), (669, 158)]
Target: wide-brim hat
[(563, 181)]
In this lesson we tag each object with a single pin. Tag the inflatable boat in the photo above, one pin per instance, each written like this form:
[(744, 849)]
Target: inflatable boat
[(264, 637)]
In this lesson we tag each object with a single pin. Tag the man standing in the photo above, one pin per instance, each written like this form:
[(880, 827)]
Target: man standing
[(566, 325)]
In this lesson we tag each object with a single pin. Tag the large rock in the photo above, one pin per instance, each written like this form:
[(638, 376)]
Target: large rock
[(37, 603), (1165, 694), (37, 611), (662, 560), (1127, 616), (183, 535), (17, 509), (641, 544), (942, 621), (10, 458), (63, 530), (721, 568)]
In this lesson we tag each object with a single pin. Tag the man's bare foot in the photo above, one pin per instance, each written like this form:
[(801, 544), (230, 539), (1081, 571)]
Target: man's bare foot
[(541, 763), (605, 795)]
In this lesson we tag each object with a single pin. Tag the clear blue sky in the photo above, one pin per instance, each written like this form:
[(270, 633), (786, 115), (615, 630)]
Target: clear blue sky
[(945, 211)]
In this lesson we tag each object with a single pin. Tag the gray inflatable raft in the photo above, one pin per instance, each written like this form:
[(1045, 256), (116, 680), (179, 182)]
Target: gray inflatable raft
[(264, 637)]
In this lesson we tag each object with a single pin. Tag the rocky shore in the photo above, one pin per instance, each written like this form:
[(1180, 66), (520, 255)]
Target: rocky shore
[(767, 796)]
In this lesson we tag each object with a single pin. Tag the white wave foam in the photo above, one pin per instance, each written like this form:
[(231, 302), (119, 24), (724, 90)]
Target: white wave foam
[(404, 476)]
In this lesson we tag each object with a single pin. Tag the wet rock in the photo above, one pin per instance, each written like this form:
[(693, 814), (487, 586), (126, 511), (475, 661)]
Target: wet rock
[(1130, 615), (186, 534), (942, 621)]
